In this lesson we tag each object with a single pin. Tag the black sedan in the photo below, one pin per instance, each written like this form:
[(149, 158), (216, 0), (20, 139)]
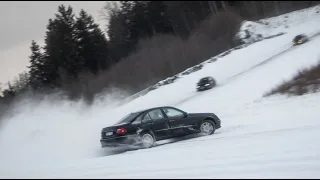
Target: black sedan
[(206, 83), (145, 127), (300, 39)]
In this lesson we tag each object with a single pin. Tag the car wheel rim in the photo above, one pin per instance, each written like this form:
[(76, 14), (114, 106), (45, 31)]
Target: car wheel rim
[(206, 128), (147, 140)]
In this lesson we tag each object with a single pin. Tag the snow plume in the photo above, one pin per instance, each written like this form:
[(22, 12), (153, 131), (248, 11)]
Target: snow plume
[(52, 129)]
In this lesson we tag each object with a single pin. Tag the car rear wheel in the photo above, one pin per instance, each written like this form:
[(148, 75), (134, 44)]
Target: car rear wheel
[(147, 140), (207, 127)]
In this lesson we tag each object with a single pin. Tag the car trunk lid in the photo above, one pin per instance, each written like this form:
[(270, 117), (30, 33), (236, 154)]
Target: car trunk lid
[(111, 131)]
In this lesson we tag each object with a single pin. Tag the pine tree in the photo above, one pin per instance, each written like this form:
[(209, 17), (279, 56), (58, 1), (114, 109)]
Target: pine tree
[(61, 57), (92, 43), (51, 60), (119, 32), (158, 20), (9, 92), (36, 66), (69, 58)]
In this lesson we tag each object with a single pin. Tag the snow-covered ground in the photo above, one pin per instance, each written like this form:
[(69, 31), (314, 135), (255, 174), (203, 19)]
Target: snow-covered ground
[(278, 24), (273, 137)]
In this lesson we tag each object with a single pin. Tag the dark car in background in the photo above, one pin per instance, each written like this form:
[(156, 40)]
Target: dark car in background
[(206, 83), (145, 127), (300, 39)]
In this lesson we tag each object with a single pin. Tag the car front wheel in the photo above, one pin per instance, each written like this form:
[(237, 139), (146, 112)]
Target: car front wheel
[(207, 127)]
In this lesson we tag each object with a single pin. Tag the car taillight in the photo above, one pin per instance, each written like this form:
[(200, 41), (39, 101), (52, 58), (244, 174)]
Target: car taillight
[(121, 131)]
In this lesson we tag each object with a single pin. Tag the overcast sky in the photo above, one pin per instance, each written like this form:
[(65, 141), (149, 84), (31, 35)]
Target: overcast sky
[(22, 22)]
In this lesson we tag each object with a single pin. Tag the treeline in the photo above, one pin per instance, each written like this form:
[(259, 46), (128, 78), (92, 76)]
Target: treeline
[(145, 41)]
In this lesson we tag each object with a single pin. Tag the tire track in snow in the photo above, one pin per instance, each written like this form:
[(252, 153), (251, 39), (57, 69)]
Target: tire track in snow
[(303, 128)]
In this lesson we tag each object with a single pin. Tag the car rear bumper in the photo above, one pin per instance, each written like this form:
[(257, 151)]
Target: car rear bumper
[(121, 141)]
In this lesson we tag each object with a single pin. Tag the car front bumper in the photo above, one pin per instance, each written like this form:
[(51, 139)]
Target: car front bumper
[(201, 88), (218, 124), (297, 43)]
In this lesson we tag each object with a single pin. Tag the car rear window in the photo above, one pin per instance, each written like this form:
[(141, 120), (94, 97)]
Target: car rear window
[(127, 118)]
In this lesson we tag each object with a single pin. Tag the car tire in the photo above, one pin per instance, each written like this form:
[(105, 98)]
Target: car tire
[(147, 140), (207, 127)]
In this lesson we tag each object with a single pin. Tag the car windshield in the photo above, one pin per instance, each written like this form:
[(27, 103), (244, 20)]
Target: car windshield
[(298, 37), (127, 118)]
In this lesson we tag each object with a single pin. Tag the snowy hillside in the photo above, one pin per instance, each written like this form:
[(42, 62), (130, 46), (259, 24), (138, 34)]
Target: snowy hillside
[(273, 137), (279, 24)]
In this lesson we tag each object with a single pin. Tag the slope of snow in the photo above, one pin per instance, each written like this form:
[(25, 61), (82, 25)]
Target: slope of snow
[(259, 138), (279, 24)]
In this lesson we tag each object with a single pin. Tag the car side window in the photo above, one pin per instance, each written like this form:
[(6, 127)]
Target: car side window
[(138, 119), (146, 117), (156, 114), (170, 112)]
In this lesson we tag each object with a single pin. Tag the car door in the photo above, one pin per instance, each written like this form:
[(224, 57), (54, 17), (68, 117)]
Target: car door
[(156, 121), (178, 122)]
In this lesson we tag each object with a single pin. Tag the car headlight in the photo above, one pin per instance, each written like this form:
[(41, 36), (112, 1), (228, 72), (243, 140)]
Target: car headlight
[(207, 84)]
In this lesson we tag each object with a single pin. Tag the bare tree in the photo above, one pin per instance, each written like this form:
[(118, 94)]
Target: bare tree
[(213, 7), (224, 5), (111, 8)]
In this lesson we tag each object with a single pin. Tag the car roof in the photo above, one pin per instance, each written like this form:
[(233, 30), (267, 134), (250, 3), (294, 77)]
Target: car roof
[(207, 77), (140, 111)]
